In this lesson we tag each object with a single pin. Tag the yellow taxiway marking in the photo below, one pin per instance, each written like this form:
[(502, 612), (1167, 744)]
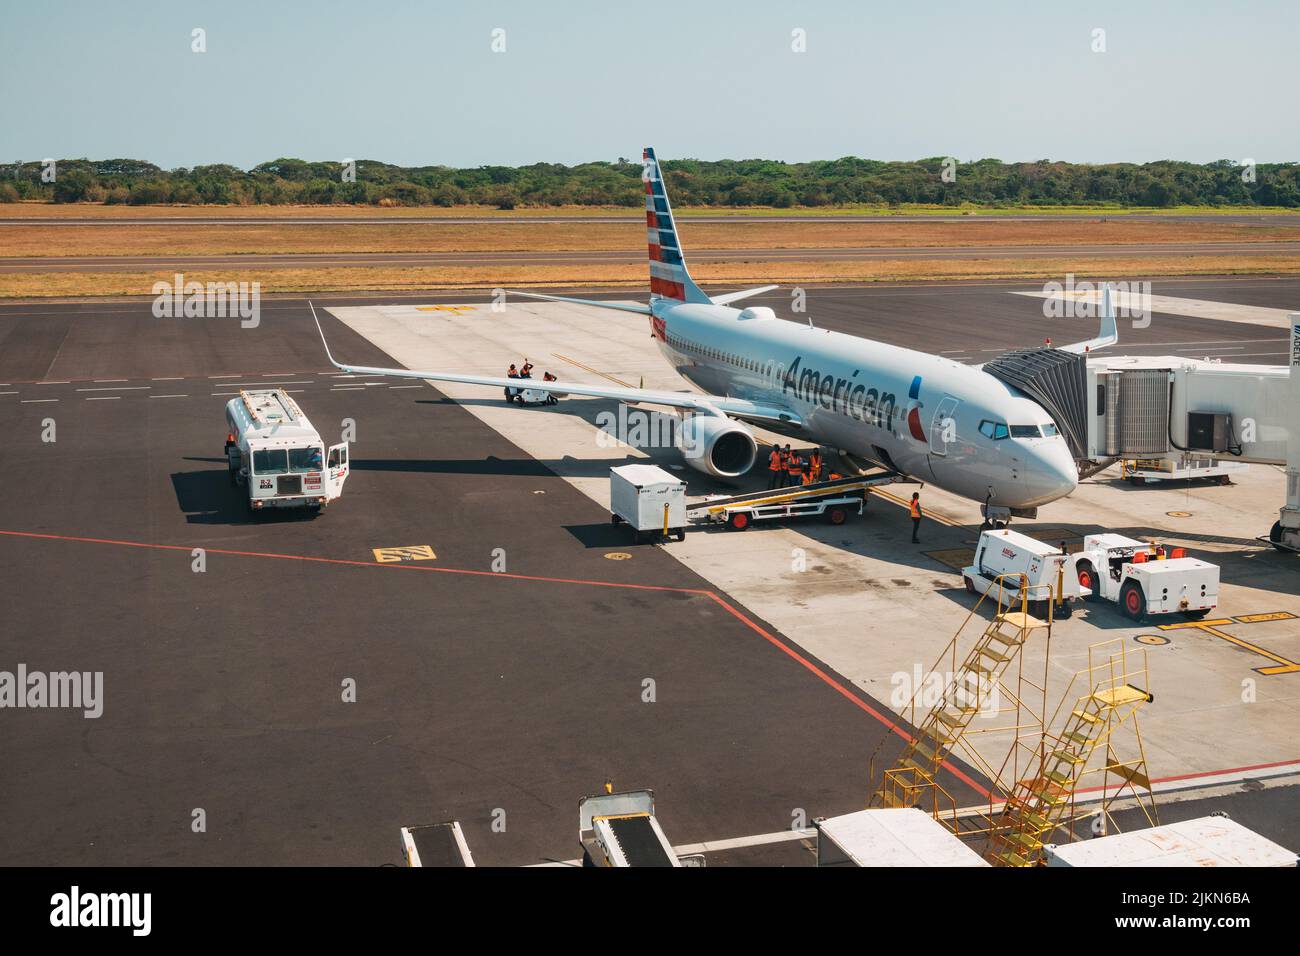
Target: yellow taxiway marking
[(933, 515), (593, 371), (415, 552), (456, 309), (1283, 666)]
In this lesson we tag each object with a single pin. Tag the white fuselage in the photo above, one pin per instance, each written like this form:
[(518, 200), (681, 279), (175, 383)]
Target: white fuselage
[(929, 417)]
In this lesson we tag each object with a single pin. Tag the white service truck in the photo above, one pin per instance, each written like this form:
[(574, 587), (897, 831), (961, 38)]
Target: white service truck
[(275, 454), (1026, 565), (1145, 578), (648, 499)]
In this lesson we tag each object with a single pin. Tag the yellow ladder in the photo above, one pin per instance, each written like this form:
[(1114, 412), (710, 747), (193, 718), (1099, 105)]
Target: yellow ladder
[(1038, 805), (913, 776)]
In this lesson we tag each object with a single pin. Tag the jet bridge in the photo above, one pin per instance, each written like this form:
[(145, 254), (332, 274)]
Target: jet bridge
[(1168, 407)]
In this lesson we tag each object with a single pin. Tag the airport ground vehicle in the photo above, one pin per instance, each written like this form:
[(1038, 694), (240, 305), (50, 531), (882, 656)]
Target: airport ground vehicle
[(836, 501), (275, 453), (1143, 471), (649, 500), (1145, 578), (1045, 572)]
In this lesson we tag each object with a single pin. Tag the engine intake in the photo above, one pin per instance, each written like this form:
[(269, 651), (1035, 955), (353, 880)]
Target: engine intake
[(716, 446)]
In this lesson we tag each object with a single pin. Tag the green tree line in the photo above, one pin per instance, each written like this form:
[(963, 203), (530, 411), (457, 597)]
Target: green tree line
[(756, 182)]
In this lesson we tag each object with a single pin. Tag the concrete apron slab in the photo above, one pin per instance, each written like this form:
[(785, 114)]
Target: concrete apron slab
[(861, 597)]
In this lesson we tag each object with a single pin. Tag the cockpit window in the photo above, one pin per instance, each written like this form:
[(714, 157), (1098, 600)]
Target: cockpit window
[(1050, 430), (994, 430), (1025, 431)]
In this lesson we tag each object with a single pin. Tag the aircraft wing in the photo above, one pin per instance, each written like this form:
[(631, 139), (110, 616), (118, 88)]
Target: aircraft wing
[(708, 404)]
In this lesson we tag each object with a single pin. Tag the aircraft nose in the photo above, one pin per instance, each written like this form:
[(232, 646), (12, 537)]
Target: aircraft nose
[(1051, 472)]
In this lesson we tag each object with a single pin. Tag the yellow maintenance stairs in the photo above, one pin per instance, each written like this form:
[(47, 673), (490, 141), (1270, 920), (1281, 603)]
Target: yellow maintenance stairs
[(966, 693), (1040, 804)]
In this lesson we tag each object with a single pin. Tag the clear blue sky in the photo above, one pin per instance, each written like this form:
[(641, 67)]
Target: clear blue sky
[(417, 83)]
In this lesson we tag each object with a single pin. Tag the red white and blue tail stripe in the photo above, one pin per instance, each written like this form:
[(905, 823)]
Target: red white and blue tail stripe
[(668, 276)]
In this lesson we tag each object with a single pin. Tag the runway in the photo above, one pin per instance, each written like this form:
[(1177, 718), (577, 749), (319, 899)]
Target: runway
[(27, 264)]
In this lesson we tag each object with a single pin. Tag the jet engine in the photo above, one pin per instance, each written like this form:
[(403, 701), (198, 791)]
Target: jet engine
[(716, 446)]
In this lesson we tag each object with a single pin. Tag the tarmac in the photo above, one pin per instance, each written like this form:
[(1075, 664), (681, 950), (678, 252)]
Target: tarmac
[(501, 697)]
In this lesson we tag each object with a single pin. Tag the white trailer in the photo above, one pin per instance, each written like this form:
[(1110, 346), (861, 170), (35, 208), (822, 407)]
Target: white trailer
[(649, 500), (896, 836), (1145, 579), (1215, 840), (275, 454), (1012, 556)]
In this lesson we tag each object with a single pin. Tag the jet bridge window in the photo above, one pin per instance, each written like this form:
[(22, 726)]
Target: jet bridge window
[(995, 430)]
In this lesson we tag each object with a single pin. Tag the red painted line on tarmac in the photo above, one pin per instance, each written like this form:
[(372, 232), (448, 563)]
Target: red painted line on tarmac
[(772, 639), (1206, 773)]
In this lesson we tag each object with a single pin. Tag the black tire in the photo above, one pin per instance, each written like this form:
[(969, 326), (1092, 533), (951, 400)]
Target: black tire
[(1196, 615), (638, 537), (1132, 601), (681, 534), (1275, 535), (1088, 578), (970, 585), (615, 520), (837, 515), (1038, 609), (739, 521)]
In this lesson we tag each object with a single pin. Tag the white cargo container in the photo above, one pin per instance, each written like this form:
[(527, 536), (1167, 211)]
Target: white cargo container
[(649, 499), (897, 836), (273, 451), (1206, 841), (1001, 551)]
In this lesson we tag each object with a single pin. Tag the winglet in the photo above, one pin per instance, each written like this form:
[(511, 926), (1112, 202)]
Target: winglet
[(1107, 333), (316, 319)]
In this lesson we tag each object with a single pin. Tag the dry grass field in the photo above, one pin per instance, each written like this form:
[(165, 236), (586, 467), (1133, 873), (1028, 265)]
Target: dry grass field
[(715, 275), (271, 237)]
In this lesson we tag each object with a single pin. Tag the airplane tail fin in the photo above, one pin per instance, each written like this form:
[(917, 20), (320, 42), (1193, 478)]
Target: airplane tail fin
[(669, 278)]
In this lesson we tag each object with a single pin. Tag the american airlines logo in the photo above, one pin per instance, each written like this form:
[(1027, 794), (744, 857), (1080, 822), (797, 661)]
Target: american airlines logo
[(847, 396)]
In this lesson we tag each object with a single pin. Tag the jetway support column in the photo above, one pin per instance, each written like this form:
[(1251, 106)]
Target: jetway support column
[(1289, 522)]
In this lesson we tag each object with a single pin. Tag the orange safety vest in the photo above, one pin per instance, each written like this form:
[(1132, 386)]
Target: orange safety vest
[(794, 465), (916, 508), (816, 461), (807, 477), (774, 461)]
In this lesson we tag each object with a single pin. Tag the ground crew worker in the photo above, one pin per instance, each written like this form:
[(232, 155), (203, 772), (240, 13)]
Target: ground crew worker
[(815, 461), (785, 464), (775, 468), (527, 370), (808, 473), (512, 392), (915, 508), (794, 470)]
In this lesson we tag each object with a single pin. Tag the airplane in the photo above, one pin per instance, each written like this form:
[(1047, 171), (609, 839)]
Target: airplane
[(921, 415)]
